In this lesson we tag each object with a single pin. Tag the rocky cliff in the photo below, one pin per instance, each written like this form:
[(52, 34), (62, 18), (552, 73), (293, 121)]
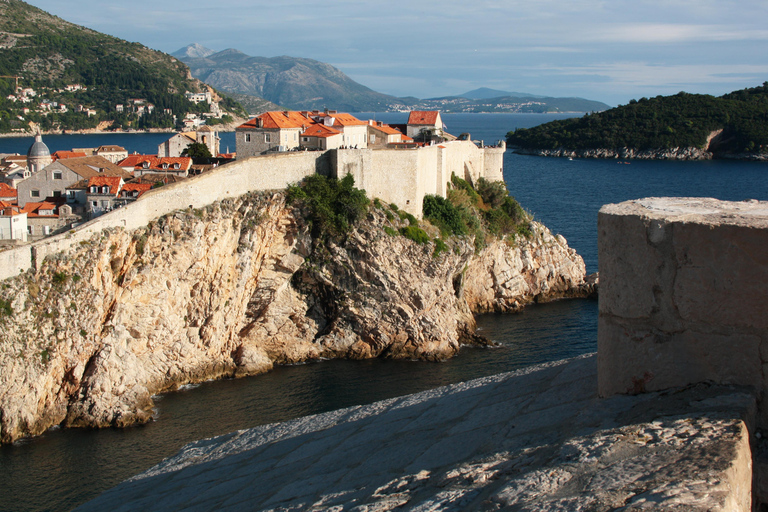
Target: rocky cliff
[(235, 288)]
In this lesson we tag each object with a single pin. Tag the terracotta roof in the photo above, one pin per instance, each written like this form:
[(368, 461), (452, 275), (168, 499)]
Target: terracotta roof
[(9, 209), (153, 178), (156, 163), (7, 190), (111, 148), (341, 119), (129, 188), (278, 120), (425, 117), (319, 130), (90, 166), (385, 128), (67, 154), (113, 182), (32, 209)]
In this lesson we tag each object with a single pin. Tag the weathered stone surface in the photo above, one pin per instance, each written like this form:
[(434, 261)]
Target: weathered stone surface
[(683, 296), (535, 439), (231, 290)]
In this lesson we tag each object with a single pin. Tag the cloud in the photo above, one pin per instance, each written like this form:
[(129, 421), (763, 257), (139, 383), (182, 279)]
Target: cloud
[(674, 33)]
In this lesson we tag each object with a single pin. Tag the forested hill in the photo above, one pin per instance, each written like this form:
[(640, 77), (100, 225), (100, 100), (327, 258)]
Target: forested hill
[(664, 122), (49, 54)]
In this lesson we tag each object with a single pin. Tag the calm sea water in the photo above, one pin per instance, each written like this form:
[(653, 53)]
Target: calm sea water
[(61, 469)]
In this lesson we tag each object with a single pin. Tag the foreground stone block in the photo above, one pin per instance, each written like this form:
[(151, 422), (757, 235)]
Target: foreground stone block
[(538, 439), (684, 295)]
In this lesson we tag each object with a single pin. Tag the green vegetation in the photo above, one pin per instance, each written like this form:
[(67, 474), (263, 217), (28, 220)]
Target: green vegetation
[(415, 233), (682, 120), (482, 212), (197, 150), (334, 205), (53, 53), (439, 247), (5, 308)]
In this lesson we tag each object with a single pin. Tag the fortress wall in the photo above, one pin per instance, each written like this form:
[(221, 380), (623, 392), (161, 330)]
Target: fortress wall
[(683, 295), (493, 165), (231, 180)]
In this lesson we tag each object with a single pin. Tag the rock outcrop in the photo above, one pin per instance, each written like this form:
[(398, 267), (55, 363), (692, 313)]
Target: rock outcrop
[(235, 288)]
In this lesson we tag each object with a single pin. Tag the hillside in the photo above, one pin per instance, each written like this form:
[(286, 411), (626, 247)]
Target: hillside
[(294, 83), (734, 125), (89, 73), (521, 104)]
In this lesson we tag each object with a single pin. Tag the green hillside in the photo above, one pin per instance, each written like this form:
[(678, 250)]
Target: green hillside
[(49, 54), (682, 120)]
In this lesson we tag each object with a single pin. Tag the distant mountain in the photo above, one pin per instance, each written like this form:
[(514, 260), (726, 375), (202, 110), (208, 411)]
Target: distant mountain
[(511, 104), (76, 67), (193, 51), (484, 93), (295, 83)]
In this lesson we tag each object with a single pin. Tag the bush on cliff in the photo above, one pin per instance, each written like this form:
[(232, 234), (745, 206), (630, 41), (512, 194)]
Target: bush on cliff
[(489, 210), (334, 205)]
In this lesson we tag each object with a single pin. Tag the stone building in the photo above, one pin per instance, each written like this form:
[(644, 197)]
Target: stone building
[(176, 145), (38, 155)]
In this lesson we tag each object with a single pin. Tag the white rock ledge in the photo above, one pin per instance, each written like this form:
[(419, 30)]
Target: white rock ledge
[(536, 439)]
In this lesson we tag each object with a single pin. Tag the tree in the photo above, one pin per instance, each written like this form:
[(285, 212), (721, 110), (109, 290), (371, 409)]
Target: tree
[(197, 150)]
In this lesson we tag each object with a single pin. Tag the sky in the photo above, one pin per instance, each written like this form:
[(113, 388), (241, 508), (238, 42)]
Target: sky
[(610, 51)]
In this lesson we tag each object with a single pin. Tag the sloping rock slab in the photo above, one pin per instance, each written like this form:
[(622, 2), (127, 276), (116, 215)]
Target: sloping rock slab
[(536, 439)]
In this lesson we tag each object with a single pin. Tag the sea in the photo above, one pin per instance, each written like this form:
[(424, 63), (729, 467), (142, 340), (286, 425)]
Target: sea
[(64, 468)]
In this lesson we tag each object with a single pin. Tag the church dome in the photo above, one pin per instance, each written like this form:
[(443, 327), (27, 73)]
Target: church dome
[(38, 149)]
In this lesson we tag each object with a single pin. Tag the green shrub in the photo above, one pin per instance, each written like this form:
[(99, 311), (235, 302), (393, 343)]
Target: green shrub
[(493, 193), (60, 277), (444, 215), (334, 205), (410, 218), (390, 231), (415, 233), (5, 308), (377, 203), (439, 247), (461, 184)]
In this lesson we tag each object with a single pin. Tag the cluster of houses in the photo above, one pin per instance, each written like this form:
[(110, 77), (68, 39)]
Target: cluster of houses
[(44, 106), (45, 193), (329, 129)]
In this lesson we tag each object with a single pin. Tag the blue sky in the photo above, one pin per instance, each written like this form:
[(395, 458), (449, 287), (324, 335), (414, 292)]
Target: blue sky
[(610, 51)]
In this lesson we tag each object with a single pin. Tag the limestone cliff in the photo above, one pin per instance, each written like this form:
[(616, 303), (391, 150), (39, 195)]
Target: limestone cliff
[(235, 288)]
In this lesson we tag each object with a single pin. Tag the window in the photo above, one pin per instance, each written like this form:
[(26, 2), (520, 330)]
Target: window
[(105, 190), (247, 137), (94, 189), (267, 138), (34, 193), (57, 175), (373, 139), (29, 230), (95, 204), (46, 230), (57, 193)]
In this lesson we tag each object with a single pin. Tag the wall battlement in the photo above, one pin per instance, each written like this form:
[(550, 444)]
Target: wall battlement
[(401, 177)]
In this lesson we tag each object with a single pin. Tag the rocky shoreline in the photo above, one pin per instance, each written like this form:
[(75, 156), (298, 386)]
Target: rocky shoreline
[(236, 288), (689, 153)]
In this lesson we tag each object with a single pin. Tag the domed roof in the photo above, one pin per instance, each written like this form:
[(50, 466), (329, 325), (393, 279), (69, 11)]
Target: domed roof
[(38, 149)]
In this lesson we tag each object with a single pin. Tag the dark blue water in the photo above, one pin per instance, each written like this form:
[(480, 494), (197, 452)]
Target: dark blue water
[(62, 469)]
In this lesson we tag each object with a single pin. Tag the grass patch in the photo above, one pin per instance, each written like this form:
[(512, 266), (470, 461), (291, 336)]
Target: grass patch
[(415, 233)]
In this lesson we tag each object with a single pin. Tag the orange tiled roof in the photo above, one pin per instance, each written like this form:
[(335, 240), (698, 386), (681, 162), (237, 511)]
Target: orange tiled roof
[(428, 117), (319, 130), (342, 119), (9, 209), (156, 163), (136, 187), (32, 209), (385, 128), (60, 155), (7, 191), (275, 120), (113, 182)]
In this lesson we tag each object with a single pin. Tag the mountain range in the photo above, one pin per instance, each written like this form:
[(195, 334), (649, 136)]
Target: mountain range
[(306, 84)]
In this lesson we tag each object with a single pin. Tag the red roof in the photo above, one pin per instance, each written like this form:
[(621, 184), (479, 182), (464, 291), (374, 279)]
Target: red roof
[(32, 209), (7, 191), (113, 182), (59, 155), (278, 120), (385, 128), (340, 118), (129, 188), (423, 117), (156, 163), (319, 130), (9, 209)]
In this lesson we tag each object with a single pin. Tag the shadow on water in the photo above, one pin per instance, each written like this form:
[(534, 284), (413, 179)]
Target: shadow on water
[(65, 468)]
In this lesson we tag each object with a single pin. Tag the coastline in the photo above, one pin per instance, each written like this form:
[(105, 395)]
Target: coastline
[(681, 154)]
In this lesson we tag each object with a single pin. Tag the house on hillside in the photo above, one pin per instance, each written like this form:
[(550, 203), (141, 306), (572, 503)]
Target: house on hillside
[(48, 218), (13, 222), (354, 131), (176, 145), (101, 194), (428, 121), (271, 131), (381, 135), (53, 180)]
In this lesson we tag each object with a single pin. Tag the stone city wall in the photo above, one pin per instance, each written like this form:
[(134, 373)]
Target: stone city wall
[(683, 295), (231, 180)]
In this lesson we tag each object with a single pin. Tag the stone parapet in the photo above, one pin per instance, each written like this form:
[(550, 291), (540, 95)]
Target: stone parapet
[(683, 294)]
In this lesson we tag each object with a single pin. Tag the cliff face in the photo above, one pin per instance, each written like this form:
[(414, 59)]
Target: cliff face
[(233, 289)]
